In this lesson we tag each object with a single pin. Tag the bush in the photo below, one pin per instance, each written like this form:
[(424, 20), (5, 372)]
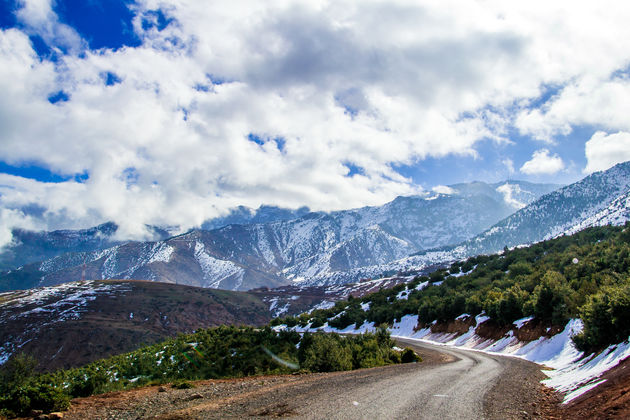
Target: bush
[(409, 356), (21, 390), (606, 317), (321, 352)]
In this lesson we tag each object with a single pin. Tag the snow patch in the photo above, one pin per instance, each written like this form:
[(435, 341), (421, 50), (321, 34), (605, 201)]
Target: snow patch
[(571, 373)]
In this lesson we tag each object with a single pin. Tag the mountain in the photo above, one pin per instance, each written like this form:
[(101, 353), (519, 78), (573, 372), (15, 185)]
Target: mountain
[(310, 248), (602, 198), (32, 246), (598, 199), (76, 323), (242, 215)]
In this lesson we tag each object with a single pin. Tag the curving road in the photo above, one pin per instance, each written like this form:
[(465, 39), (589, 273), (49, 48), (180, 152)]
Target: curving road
[(452, 390), (449, 384)]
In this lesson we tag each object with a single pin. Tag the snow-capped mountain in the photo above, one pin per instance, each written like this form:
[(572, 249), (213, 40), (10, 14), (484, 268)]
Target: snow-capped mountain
[(29, 246), (32, 246), (600, 198), (309, 248), (242, 215)]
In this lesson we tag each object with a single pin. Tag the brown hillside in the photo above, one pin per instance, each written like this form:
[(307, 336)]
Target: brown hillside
[(76, 323)]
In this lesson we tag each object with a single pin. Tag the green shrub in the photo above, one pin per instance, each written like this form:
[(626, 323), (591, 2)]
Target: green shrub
[(182, 385), (321, 352), (409, 356), (606, 317), (22, 390)]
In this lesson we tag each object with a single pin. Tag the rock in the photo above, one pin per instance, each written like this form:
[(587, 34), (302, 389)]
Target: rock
[(55, 416), (162, 389), (193, 397), (35, 413)]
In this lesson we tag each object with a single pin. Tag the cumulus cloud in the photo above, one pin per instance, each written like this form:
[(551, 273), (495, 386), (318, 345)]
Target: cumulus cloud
[(588, 101), (604, 150), (542, 163), (272, 102), (38, 18)]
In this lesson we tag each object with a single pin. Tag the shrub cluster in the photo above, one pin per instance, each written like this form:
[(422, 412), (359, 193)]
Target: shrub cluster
[(586, 275), (211, 353)]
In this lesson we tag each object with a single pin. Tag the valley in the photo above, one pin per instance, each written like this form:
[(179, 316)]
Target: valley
[(537, 300), (333, 209)]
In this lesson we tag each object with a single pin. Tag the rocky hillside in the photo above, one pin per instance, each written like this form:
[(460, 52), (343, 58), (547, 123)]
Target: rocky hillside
[(76, 323), (599, 199), (310, 248), (29, 246)]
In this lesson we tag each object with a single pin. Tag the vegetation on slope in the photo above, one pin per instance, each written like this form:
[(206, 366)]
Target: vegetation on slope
[(586, 275), (221, 352), (77, 323)]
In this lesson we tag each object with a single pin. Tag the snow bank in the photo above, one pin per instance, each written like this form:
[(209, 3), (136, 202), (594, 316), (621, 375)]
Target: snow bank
[(568, 371)]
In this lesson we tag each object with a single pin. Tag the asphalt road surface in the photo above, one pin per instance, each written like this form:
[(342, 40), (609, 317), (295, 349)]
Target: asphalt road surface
[(452, 390), (449, 384)]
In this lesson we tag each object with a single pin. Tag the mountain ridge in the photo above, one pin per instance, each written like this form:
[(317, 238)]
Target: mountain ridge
[(241, 257)]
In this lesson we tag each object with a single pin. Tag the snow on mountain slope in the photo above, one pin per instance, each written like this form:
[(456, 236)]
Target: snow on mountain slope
[(617, 214), (320, 248), (600, 198)]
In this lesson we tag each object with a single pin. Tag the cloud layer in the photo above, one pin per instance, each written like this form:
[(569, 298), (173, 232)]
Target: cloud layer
[(293, 103)]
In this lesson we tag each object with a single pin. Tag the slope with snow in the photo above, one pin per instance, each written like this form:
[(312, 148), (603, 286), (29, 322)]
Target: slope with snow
[(317, 248), (569, 370), (596, 199)]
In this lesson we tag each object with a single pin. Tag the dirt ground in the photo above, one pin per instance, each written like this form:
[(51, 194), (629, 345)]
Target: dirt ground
[(609, 400)]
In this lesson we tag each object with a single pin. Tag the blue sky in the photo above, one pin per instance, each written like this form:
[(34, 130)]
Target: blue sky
[(326, 104)]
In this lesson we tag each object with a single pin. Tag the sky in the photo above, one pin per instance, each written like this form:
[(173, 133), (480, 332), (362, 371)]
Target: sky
[(171, 112)]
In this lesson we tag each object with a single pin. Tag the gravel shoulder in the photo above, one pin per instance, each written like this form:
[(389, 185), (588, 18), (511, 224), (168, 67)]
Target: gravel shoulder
[(448, 384)]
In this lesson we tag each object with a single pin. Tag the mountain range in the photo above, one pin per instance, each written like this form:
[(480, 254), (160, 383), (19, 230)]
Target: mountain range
[(307, 248), (601, 198)]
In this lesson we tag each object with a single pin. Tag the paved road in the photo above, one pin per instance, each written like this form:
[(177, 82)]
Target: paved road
[(470, 385), (439, 391)]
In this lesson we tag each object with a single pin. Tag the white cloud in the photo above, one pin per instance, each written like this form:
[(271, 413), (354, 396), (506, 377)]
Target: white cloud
[(543, 163), (604, 150), (38, 18), (374, 85), (11, 219), (587, 101), (509, 165), (443, 189)]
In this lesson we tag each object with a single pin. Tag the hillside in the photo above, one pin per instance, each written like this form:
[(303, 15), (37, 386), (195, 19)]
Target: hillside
[(562, 303), (76, 323), (599, 199), (584, 275), (312, 248), (223, 352)]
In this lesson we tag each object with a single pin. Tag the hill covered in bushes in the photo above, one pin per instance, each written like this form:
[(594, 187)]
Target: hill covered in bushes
[(586, 275), (222, 352)]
